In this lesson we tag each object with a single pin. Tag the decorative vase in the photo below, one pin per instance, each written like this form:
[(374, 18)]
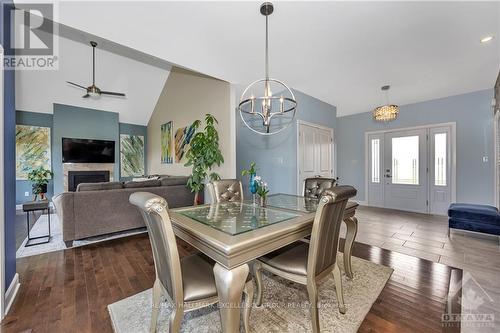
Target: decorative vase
[(263, 201), (253, 187)]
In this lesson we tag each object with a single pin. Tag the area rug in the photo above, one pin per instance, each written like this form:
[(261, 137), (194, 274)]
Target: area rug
[(285, 307), (56, 243)]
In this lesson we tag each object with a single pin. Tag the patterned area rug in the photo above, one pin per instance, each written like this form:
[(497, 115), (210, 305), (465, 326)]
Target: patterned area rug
[(285, 307), (40, 228)]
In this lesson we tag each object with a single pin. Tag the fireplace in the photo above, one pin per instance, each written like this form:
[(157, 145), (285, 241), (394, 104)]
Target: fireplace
[(78, 177)]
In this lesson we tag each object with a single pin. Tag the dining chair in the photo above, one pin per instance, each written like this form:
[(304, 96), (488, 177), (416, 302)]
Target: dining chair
[(314, 187), (189, 282), (225, 190), (308, 263)]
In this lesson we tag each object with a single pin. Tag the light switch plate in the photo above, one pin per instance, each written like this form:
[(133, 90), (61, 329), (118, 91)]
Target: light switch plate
[(485, 159), (26, 194)]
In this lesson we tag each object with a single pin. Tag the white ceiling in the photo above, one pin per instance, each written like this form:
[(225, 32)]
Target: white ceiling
[(339, 52), (142, 83)]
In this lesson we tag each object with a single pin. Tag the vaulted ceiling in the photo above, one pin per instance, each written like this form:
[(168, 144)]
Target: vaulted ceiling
[(116, 70), (339, 52)]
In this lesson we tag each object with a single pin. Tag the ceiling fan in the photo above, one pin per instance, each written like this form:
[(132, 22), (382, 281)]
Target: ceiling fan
[(93, 90)]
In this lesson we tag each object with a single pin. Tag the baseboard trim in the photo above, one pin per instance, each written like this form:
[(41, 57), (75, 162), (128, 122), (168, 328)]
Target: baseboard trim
[(11, 293)]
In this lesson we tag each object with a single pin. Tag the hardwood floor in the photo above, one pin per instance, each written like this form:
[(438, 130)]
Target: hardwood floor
[(68, 291)]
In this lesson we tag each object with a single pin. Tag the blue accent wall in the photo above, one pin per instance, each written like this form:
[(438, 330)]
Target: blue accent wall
[(9, 115), (32, 119), (276, 155), (75, 130), (474, 126), (76, 122), (132, 129)]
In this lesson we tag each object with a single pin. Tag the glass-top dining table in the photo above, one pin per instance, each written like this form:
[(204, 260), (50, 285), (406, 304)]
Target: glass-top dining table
[(235, 233)]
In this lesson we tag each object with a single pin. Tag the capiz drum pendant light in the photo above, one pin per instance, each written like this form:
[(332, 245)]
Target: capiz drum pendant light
[(387, 112)]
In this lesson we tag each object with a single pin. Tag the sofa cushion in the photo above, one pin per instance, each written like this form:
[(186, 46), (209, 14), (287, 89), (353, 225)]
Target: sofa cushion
[(478, 213), (174, 180), (99, 186), (142, 183)]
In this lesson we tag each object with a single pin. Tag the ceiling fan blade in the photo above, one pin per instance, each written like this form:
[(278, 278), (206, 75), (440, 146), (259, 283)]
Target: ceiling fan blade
[(77, 85), (112, 93), (86, 96)]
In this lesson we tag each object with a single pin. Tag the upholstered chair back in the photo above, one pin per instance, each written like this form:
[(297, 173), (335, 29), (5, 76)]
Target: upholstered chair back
[(314, 187), (154, 210), (225, 190), (326, 228)]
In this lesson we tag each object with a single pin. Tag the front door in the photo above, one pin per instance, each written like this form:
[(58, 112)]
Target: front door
[(411, 169), (405, 170)]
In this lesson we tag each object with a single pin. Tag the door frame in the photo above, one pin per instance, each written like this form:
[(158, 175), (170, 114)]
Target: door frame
[(496, 143), (2, 193), (453, 171), (334, 153)]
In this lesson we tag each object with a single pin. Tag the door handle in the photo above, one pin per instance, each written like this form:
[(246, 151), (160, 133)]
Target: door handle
[(388, 176)]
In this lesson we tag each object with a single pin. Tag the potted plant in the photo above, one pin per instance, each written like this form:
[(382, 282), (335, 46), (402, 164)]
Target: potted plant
[(203, 155), (252, 172), (262, 190), (39, 178)]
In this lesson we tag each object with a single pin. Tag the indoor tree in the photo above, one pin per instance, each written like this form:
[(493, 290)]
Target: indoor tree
[(203, 155)]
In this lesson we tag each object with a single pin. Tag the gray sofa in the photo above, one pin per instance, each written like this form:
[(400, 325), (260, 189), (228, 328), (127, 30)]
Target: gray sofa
[(103, 208)]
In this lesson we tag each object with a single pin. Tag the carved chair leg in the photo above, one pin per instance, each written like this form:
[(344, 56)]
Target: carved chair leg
[(248, 305), (337, 277), (157, 291), (176, 320), (312, 291), (257, 273)]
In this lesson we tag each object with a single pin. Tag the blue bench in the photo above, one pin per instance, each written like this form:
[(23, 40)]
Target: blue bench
[(477, 218)]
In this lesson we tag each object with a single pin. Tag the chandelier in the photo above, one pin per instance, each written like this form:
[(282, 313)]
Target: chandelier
[(388, 112), (267, 106)]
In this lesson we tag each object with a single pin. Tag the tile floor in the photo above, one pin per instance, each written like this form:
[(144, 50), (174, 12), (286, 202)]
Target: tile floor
[(426, 236)]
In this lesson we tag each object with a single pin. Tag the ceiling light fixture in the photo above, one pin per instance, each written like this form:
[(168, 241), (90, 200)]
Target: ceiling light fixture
[(487, 39), (388, 112), (258, 105)]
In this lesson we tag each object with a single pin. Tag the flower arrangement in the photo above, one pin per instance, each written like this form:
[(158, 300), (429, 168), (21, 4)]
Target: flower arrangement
[(262, 190), (262, 187)]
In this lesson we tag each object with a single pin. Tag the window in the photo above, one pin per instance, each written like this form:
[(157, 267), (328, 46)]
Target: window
[(440, 159), (375, 160), (405, 160)]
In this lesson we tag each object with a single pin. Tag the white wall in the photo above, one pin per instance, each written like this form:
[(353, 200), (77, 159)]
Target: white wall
[(37, 90), (188, 96)]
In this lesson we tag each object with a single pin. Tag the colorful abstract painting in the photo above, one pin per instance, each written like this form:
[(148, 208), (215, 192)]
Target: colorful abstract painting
[(166, 143), (32, 149), (183, 137), (131, 155)]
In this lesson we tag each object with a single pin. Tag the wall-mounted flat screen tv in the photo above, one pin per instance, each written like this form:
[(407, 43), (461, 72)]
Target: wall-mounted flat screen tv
[(87, 151)]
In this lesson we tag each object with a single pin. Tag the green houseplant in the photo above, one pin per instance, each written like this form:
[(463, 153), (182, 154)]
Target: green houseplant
[(39, 178), (203, 155)]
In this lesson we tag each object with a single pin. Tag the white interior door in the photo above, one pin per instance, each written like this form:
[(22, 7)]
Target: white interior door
[(405, 170), (315, 153), (440, 170)]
